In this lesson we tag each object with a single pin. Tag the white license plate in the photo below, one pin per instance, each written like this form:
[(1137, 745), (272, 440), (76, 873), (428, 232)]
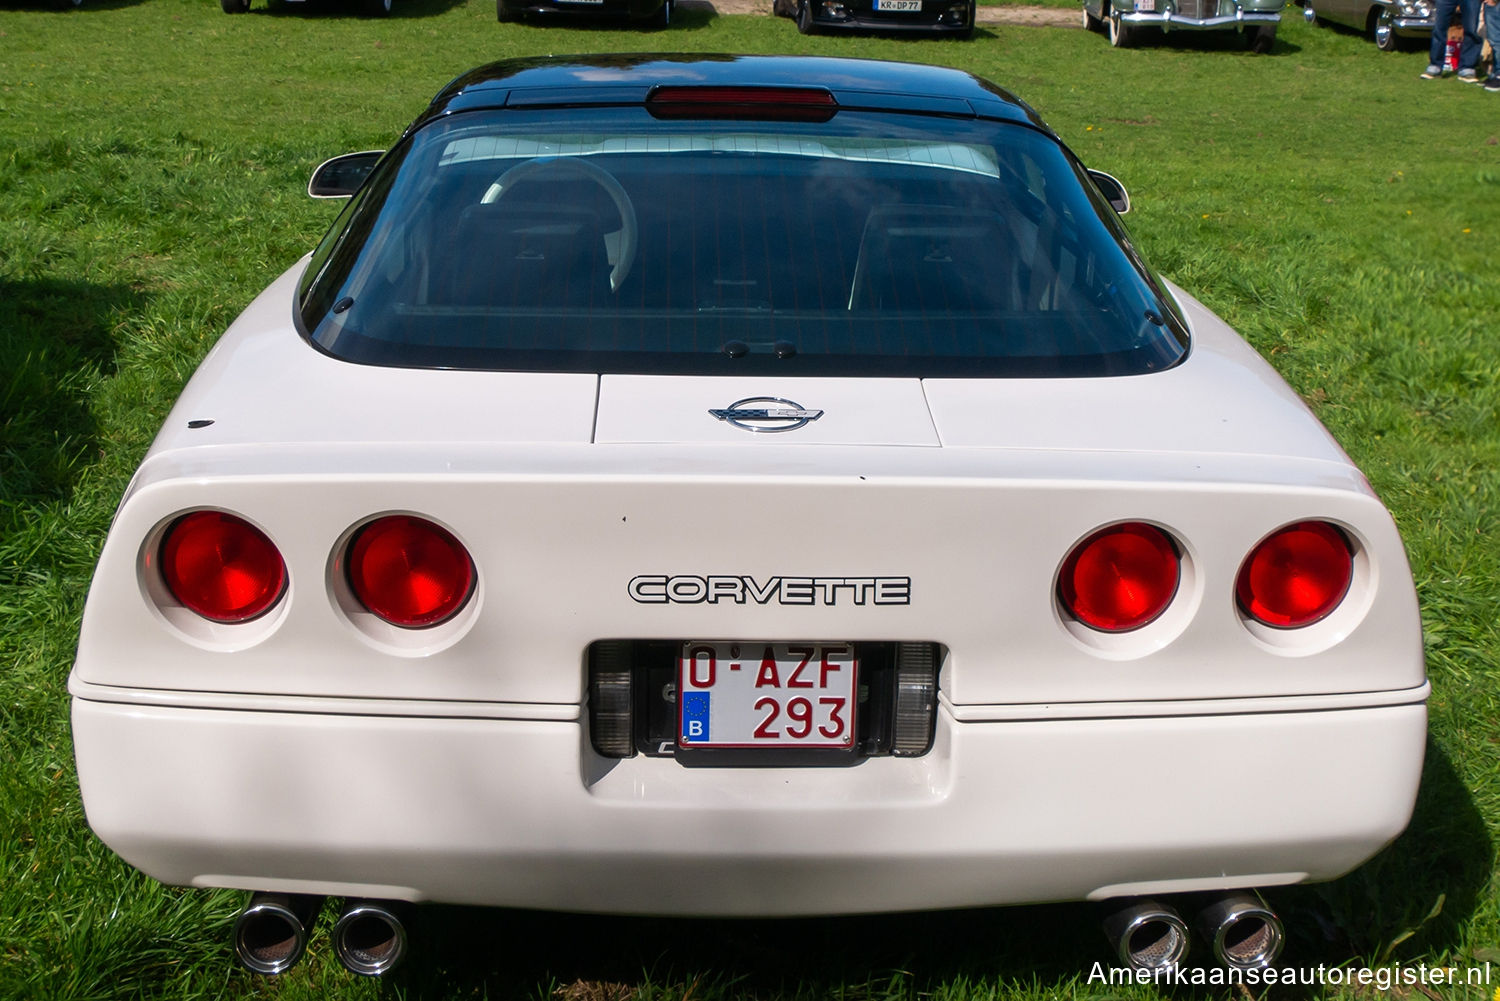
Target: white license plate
[(899, 5), (766, 694), (1147, 6)]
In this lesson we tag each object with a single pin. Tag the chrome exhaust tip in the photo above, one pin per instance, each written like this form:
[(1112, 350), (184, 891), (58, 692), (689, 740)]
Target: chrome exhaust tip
[(270, 935), (1246, 934), (1147, 935), (370, 937)]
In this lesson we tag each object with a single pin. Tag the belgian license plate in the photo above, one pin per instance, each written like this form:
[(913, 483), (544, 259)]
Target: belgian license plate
[(902, 5), (1148, 6), (766, 695)]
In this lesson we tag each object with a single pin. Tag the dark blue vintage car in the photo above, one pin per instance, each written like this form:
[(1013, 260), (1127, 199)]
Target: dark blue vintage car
[(944, 17)]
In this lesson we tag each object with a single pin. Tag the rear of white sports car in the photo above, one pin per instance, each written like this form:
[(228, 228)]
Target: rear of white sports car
[(604, 627)]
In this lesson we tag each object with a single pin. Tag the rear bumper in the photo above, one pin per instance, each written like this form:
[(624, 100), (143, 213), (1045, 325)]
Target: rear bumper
[(634, 10), (933, 19), (519, 812)]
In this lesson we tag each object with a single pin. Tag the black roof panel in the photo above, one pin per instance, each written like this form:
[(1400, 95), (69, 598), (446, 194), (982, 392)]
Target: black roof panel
[(627, 79)]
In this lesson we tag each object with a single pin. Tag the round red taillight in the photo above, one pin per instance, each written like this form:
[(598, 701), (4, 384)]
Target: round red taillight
[(1121, 577), (409, 571), (221, 567), (1296, 576)]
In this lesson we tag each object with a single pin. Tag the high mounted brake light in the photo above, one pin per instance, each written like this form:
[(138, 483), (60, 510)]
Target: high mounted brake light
[(798, 104)]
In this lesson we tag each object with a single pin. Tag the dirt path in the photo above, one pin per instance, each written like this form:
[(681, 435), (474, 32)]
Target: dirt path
[(1051, 17)]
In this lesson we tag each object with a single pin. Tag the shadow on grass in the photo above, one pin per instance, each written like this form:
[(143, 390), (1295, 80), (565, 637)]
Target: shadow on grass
[(1205, 41), (351, 9), (68, 6), (56, 338), (463, 952), (1414, 898)]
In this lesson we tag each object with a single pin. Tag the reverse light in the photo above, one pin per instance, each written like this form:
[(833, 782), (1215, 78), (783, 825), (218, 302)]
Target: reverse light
[(1121, 577), (409, 571), (1296, 576), (221, 567)]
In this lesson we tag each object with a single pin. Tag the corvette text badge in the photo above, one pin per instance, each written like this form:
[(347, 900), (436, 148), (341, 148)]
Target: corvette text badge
[(764, 414)]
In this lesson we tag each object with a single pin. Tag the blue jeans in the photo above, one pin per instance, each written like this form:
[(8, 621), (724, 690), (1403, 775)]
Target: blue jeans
[(1492, 32), (1468, 53)]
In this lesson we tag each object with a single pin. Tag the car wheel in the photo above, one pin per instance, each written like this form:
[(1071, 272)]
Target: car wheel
[(1121, 35), (663, 16), (377, 8), (805, 17), (1260, 38), (1090, 22), (234, 6), (1384, 31), (503, 13)]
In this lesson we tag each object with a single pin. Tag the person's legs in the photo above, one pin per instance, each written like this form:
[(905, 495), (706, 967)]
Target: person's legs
[(1438, 50), (1469, 49)]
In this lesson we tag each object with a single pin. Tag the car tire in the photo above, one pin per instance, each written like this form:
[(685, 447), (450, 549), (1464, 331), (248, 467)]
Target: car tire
[(805, 22), (502, 14), (1260, 38), (377, 8), (1090, 22), (1121, 34), (234, 6), (1383, 31), (663, 16)]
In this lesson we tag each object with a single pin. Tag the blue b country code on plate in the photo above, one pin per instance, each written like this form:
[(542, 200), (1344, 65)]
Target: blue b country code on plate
[(759, 694), (695, 718)]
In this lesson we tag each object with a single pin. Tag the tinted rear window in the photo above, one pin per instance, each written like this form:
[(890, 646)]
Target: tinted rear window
[(607, 241)]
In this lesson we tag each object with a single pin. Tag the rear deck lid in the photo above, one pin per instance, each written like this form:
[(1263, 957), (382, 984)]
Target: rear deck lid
[(643, 408)]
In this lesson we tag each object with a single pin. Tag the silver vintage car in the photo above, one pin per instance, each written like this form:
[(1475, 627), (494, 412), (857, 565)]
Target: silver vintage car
[(1394, 25), (1256, 19)]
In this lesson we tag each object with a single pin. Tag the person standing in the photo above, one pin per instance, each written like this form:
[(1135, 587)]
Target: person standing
[(1468, 53), (1492, 32)]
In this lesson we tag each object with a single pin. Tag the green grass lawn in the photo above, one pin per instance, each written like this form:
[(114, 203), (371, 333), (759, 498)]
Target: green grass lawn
[(1339, 212)]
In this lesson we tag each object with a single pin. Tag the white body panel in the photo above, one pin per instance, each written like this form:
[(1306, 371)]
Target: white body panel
[(453, 763)]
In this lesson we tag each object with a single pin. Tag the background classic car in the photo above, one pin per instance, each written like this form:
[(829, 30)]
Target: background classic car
[(1393, 25), (942, 17), (620, 375), (1124, 19)]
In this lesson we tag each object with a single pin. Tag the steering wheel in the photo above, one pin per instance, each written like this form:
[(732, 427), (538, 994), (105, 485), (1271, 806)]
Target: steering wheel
[(629, 230)]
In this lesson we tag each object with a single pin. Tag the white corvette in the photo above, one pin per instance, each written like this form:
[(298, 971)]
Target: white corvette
[(742, 486)]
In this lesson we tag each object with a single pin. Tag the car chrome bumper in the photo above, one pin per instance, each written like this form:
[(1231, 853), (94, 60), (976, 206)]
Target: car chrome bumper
[(517, 812), (1169, 20), (1413, 27)]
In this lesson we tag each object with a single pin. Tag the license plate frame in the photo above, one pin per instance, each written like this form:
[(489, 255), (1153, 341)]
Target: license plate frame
[(767, 696)]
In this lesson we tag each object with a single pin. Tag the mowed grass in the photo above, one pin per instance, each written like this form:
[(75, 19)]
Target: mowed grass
[(1340, 213)]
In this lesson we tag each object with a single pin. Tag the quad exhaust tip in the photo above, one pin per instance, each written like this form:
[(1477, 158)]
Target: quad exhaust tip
[(1147, 935), (370, 937), (1246, 934), (270, 934)]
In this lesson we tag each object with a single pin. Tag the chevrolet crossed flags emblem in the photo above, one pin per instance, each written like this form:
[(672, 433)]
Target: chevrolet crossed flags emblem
[(773, 414)]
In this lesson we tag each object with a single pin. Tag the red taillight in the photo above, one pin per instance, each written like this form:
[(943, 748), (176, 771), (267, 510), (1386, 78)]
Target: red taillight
[(1297, 576), (802, 104), (1120, 577), (409, 571), (221, 567)]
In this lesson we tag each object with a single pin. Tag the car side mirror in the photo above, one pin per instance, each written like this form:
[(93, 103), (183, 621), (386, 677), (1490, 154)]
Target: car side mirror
[(343, 175), (1113, 191)]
